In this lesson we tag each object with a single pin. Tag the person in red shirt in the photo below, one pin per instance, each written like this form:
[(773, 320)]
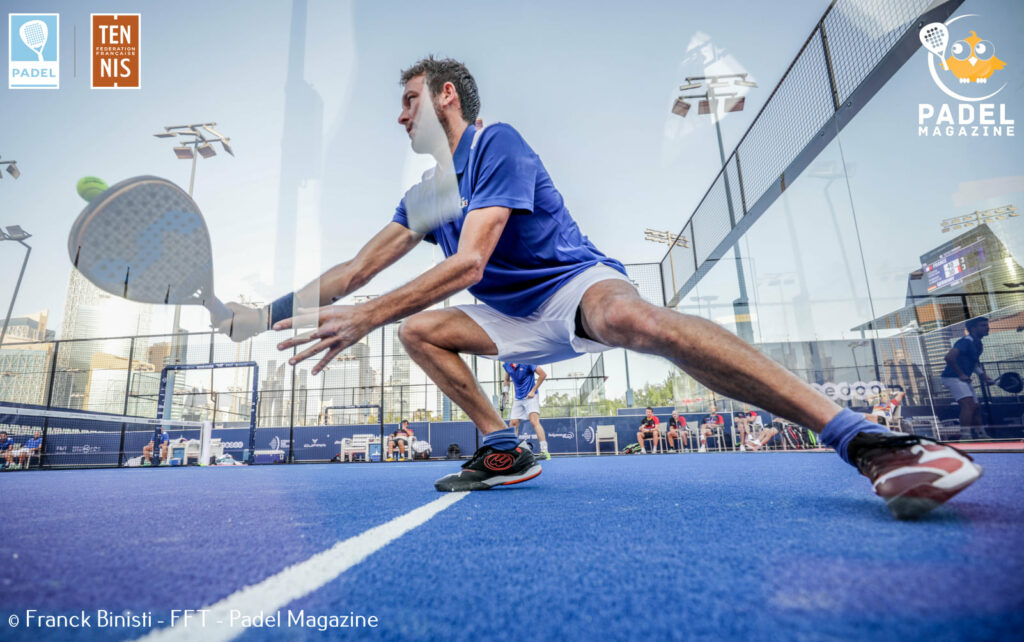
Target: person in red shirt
[(648, 430), (677, 430)]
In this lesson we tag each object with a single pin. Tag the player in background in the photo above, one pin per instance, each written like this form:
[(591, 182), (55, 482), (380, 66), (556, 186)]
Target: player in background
[(162, 440), (677, 431), (526, 379)]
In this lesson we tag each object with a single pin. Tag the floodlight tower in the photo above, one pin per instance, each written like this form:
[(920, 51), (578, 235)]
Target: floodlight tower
[(198, 137), (710, 100)]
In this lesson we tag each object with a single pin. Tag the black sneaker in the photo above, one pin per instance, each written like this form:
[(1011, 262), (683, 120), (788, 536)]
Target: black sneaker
[(489, 468)]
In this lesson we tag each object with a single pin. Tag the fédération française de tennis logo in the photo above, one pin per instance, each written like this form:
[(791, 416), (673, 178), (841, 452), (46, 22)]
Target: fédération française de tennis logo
[(964, 66), (115, 50), (33, 51)]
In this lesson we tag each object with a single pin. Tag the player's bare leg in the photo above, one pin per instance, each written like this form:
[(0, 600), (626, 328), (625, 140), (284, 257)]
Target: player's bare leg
[(434, 339), (616, 315), (541, 437), (514, 425), (901, 468)]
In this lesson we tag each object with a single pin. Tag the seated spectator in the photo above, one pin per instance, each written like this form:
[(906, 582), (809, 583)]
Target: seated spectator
[(160, 437), (756, 441), (6, 449), (29, 449), (710, 426), (677, 430), (399, 439), (741, 424), (882, 412), (648, 430)]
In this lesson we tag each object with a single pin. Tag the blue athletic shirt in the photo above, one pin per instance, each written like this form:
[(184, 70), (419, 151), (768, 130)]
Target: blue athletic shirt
[(522, 377), (34, 442), (541, 247), (6, 443), (970, 350)]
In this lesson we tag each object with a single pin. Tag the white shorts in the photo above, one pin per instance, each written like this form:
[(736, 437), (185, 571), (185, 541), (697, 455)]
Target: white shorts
[(19, 452), (521, 408), (549, 334), (959, 389)]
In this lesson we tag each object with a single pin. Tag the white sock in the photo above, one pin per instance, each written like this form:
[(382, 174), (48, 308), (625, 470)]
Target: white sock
[(543, 446)]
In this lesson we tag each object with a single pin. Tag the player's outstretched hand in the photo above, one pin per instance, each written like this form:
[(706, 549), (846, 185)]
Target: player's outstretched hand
[(246, 323), (338, 327)]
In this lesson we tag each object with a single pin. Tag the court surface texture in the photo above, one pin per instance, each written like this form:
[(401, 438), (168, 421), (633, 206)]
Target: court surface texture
[(743, 546)]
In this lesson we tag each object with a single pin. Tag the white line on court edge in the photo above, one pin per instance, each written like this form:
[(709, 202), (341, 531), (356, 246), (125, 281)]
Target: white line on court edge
[(300, 579)]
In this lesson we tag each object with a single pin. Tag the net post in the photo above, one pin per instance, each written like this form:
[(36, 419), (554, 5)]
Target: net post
[(127, 395), (205, 435), (49, 401)]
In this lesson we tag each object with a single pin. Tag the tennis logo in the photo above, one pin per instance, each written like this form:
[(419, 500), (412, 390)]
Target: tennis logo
[(114, 43), (33, 51), (962, 64)]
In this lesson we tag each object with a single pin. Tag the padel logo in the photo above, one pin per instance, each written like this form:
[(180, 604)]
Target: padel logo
[(962, 63), (116, 54), (33, 51)]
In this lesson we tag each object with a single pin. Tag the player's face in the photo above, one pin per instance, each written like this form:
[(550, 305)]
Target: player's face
[(419, 117), (648, 413)]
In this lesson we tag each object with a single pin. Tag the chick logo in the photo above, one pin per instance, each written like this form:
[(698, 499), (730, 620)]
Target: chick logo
[(973, 59), (970, 60)]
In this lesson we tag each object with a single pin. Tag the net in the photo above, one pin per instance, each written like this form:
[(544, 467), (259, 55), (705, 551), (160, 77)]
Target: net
[(60, 439)]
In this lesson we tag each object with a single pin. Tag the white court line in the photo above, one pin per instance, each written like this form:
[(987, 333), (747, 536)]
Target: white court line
[(300, 579)]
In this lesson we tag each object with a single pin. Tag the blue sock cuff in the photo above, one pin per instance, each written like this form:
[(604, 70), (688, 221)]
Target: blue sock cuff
[(281, 308), (502, 439), (839, 432)]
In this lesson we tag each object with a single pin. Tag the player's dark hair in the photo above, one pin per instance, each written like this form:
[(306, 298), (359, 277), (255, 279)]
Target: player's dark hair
[(649, 408), (440, 71), (405, 421), (973, 323)]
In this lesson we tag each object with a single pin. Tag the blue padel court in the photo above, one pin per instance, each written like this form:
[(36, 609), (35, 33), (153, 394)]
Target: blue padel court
[(716, 546)]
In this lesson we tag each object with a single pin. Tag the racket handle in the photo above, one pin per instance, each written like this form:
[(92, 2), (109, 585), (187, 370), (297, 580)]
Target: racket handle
[(218, 311)]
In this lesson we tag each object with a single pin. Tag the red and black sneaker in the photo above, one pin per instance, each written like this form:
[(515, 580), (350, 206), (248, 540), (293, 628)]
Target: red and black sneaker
[(912, 474), (489, 468)]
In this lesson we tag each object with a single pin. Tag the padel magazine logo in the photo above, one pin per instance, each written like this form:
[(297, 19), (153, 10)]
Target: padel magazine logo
[(964, 66), (33, 52), (115, 54)]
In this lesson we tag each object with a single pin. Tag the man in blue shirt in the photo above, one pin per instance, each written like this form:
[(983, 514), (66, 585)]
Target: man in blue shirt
[(161, 439), (548, 294), (962, 361), (6, 448), (527, 379), (29, 448)]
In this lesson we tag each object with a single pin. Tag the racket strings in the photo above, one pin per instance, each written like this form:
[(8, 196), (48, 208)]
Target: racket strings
[(34, 34)]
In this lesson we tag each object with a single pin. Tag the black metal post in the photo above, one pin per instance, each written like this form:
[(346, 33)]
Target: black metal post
[(49, 400), (127, 395)]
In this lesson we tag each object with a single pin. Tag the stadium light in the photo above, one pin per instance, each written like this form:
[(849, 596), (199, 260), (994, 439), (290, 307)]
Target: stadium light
[(12, 168), (667, 237), (1001, 213)]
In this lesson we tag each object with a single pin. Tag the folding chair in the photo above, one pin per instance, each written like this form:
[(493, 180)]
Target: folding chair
[(357, 445), (606, 433)]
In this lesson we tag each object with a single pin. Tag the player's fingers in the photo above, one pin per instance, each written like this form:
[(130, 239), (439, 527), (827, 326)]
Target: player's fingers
[(309, 352), (296, 341), (302, 319), (327, 359)]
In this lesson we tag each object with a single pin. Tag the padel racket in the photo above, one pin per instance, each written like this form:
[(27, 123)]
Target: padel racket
[(34, 34), (935, 37), (1011, 382), (144, 239)]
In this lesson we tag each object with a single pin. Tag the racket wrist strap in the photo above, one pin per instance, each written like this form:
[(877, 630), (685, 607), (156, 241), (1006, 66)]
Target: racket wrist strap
[(281, 309)]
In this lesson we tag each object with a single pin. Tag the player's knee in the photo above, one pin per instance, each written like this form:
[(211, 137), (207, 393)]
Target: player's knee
[(627, 322), (412, 331)]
